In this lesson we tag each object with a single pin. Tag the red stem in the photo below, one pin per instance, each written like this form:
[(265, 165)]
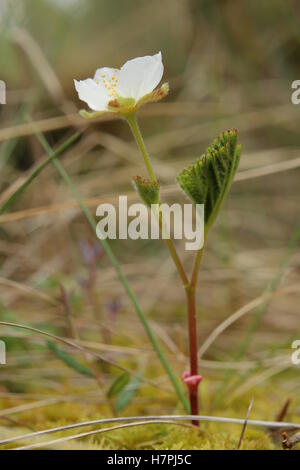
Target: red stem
[(193, 345)]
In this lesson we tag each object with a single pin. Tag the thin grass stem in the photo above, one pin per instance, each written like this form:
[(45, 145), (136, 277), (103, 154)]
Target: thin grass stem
[(117, 267)]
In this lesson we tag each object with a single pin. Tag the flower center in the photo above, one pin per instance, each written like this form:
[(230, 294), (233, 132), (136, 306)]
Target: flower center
[(110, 83)]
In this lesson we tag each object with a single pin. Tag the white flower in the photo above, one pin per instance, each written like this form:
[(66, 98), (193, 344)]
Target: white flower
[(125, 89)]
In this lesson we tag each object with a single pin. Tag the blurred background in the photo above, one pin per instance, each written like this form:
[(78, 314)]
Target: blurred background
[(230, 64)]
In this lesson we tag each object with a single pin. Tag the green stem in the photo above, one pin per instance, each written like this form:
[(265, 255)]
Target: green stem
[(174, 256), (116, 265), (132, 121), (190, 287), (196, 268)]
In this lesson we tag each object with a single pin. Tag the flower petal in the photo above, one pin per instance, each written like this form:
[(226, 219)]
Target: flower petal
[(94, 95), (140, 76)]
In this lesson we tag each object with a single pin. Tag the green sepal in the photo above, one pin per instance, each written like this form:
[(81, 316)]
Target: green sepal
[(128, 102), (148, 190), (208, 180), (155, 95), (123, 106), (91, 115)]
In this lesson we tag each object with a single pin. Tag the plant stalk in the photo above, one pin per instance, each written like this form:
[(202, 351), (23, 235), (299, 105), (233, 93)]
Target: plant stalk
[(193, 346), (132, 121), (189, 286), (133, 124), (117, 267)]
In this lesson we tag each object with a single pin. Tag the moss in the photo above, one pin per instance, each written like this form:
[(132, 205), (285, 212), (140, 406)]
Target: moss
[(157, 436)]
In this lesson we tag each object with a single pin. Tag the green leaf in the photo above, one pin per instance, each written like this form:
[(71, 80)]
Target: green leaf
[(208, 180), (69, 360), (127, 394), (148, 190), (118, 384)]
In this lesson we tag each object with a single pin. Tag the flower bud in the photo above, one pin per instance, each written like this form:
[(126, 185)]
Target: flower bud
[(148, 190)]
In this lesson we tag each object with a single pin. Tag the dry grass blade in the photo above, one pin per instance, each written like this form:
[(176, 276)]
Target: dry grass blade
[(42, 66), (100, 431), (268, 169), (245, 424), (167, 190), (259, 378), (28, 407), (240, 313), (74, 345), (282, 413), (162, 418), (28, 290)]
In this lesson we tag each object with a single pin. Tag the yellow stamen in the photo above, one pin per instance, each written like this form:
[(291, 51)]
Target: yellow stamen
[(110, 83)]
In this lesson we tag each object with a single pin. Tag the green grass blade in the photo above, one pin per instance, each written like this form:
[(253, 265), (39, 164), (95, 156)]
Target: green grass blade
[(116, 265), (67, 359), (65, 146), (118, 384), (126, 395), (7, 148)]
